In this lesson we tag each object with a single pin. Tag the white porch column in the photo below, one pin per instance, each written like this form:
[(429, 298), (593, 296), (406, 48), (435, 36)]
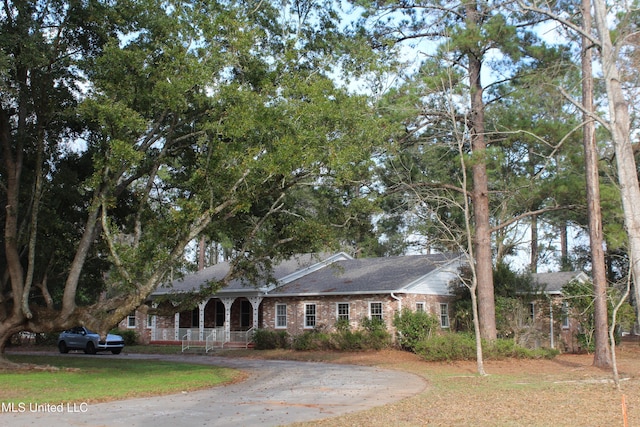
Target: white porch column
[(228, 302), (201, 318), (154, 322), (176, 327), (255, 304)]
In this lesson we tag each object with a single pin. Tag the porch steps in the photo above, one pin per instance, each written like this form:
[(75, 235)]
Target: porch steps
[(194, 350), (230, 345)]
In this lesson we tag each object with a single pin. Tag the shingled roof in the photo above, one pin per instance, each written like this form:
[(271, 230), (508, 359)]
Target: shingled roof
[(425, 274), (552, 283), (282, 273)]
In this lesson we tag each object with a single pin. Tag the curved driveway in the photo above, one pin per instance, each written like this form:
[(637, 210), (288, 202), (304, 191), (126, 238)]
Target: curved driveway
[(275, 393)]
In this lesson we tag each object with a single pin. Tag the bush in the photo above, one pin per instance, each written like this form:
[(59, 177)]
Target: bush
[(462, 346), (47, 338), (342, 325), (372, 325), (347, 340), (447, 347), (372, 336), (311, 340), (130, 336), (376, 336), (265, 339), (377, 340), (413, 327), (507, 348)]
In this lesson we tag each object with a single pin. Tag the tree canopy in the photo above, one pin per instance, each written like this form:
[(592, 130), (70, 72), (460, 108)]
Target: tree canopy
[(128, 129)]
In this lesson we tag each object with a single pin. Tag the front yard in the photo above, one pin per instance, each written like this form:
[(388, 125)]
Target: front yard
[(565, 391)]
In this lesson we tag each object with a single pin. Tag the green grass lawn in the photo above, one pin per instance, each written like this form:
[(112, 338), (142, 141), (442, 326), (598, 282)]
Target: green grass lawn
[(97, 379)]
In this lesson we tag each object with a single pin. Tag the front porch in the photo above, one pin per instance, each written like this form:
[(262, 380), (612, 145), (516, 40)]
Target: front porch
[(226, 322)]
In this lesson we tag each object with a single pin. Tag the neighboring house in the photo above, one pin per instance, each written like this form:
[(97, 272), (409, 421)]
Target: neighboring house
[(307, 292), (549, 311)]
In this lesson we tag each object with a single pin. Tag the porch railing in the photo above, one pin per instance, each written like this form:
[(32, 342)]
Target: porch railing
[(163, 334), (186, 340), (214, 337)]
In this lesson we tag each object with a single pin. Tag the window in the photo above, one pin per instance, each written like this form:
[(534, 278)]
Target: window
[(532, 311), (565, 315), (131, 320), (150, 320), (343, 311), (375, 310), (420, 307), (281, 315), (309, 315), (444, 315)]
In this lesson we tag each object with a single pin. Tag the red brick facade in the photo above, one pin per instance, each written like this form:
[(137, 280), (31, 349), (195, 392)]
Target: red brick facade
[(326, 313), (359, 307)]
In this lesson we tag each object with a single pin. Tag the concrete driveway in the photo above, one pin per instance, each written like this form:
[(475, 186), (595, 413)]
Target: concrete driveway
[(275, 393)]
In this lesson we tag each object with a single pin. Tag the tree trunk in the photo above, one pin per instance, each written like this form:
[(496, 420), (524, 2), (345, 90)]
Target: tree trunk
[(480, 194), (533, 260), (477, 331), (8, 327), (533, 266), (619, 126), (564, 246), (13, 170), (602, 354), (201, 253)]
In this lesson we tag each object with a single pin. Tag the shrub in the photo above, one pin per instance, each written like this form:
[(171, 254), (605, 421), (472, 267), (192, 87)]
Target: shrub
[(351, 341), (413, 327), (376, 336), (447, 347), (372, 336), (311, 340), (507, 348), (130, 336), (265, 339), (372, 325), (47, 338), (343, 325), (347, 340), (377, 340), (462, 346)]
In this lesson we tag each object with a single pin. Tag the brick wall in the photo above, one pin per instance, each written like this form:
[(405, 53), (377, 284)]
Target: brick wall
[(143, 332), (326, 312), (326, 309)]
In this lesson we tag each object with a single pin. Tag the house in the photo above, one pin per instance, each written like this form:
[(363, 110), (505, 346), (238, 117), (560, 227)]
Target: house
[(306, 292), (550, 311)]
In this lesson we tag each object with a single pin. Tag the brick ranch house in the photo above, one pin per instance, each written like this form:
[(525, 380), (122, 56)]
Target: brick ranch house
[(310, 291)]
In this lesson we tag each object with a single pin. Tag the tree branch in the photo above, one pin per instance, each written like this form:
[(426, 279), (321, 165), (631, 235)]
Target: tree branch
[(529, 214)]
